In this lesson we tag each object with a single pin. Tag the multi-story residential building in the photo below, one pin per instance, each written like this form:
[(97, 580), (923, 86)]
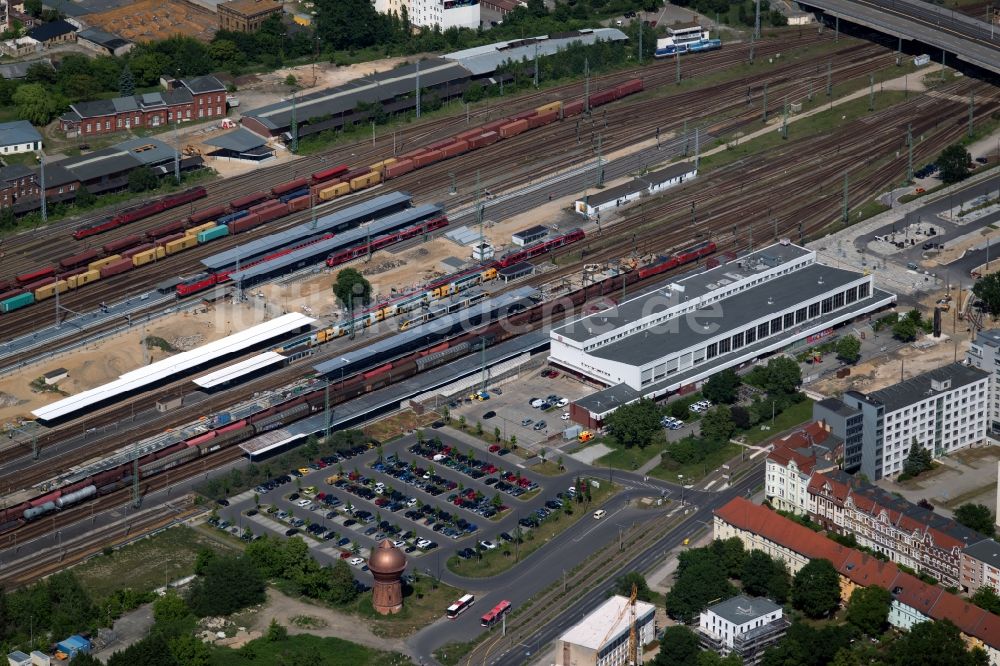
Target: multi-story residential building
[(984, 354), (17, 182), (200, 98), (444, 13), (742, 625), (942, 410), (913, 600), (792, 462), (246, 15), (602, 638), (981, 566), (847, 424)]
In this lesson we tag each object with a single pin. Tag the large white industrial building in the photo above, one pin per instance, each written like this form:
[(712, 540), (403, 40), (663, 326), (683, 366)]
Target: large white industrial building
[(602, 638), (679, 334)]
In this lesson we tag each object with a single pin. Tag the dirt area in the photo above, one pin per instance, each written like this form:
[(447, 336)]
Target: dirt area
[(884, 371), (305, 618), (105, 360), (145, 20)]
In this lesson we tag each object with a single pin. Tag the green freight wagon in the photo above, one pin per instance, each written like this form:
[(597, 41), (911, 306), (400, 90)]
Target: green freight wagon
[(213, 233), (17, 302)]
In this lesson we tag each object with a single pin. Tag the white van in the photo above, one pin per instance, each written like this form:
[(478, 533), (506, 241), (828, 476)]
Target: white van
[(600, 513)]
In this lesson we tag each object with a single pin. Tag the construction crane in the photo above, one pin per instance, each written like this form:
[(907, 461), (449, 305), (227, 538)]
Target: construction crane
[(632, 658)]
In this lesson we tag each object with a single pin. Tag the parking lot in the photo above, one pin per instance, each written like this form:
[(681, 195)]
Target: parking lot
[(510, 410), (424, 495)]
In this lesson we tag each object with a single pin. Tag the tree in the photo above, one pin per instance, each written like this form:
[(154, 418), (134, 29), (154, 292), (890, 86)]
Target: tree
[(84, 197), (624, 583), (918, 460), (150, 651), (783, 375), (717, 424), (36, 104), (229, 584), (849, 349), (352, 289), (721, 387), (634, 424), (700, 578), (987, 598), (763, 576), (141, 179), (33, 7), (276, 632), (976, 517), (170, 607), (905, 329), (932, 644), (342, 587), (816, 589), (188, 651), (126, 82), (678, 647), (987, 290), (954, 163), (868, 609)]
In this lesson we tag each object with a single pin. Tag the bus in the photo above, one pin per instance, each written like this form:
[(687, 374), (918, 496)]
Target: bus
[(461, 606), (496, 614)]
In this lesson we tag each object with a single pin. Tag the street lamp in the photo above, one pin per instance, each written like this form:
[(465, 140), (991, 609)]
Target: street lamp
[(680, 480)]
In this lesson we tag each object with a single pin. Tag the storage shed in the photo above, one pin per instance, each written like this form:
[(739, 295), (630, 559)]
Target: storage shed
[(55, 376), (529, 236), (516, 272)]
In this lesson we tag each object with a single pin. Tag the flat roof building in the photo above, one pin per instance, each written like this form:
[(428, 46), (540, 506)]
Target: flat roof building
[(684, 331), (601, 638), (742, 625), (984, 353), (246, 15)]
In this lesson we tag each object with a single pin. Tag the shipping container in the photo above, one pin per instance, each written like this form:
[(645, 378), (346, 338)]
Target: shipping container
[(161, 242), (120, 266), (548, 108), (212, 234), (49, 290), (399, 168), (573, 108), (11, 304), (101, 263), (166, 229), (299, 203), (11, 294), (425, 158), (244, 224), (247, 201), (333, 191), (468, 134), (413, 153), (194, 231), (495, 125), (524, 115), (205, 215), (630, 87), (78, 259), (31, 286), (83, 278), (455, 149), (291, 186), (181, 244), (361, 182), (114, 247), (482, 140), (265, 204), (378, 166), (149, 256), (438, 145), (64, 275), (354, 173), (513, 129), (543, 119)]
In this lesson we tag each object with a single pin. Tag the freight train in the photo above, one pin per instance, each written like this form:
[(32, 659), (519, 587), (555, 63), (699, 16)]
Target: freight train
[(251, 211), (373, 368)]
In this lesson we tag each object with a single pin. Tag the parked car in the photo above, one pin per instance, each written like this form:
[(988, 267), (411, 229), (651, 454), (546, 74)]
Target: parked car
[(539, 426)]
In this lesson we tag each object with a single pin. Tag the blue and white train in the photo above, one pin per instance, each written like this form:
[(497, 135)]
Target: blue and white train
[(684, 39)]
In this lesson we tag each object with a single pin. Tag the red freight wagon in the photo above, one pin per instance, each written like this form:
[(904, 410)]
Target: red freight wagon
[(495, 125), (166, 239), (115, 247), (290, 186), (572, 108), (330, 174), (630, 87), (166, 229), (270, 203), (33, 276), (399, 168), (132, 251), (354, 173), (11, 294), (468, 134), (206, 215), (486, 139), (245, 224), (74, 271), (438, 145), (454, 149), (299, 203), (413, 153), (243, 203), (37, 284), (77, 259), (116, 267), (274, 213), (542, 119), (513, 129), (430, 157), (524, 115), (5, 285)]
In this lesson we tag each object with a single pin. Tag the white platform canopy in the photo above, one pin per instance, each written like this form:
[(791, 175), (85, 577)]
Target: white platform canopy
[(237, 370)]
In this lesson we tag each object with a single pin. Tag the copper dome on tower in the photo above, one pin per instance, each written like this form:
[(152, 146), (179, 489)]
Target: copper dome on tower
[(386, 559)]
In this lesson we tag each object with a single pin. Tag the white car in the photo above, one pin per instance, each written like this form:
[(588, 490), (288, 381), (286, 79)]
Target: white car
[(423, 543), (357, 561), (488, 545), (565, 416), (399, 544), (304, 502), (537, 402), (412, 502), (562, 402)]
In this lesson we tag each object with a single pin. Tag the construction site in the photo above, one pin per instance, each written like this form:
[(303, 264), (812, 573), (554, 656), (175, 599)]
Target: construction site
[(147, 20)]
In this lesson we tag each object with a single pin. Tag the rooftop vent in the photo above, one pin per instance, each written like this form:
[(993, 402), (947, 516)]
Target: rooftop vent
[(770, 300), (820, 281)]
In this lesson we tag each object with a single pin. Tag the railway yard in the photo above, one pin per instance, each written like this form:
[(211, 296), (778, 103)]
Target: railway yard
[(254, 250)]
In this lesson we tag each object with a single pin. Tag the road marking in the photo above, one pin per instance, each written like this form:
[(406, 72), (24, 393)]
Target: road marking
[(711, 483), (597, 523)]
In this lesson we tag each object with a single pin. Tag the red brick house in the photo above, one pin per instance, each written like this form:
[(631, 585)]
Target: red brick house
[(189, 99)]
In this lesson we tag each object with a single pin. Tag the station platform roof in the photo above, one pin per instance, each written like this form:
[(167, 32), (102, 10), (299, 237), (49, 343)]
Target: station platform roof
[(238, 370), (175, 365), (275, 439), (352, 215), (320, 250)]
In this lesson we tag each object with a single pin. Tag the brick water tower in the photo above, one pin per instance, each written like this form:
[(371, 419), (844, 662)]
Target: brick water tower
[(387, 564)]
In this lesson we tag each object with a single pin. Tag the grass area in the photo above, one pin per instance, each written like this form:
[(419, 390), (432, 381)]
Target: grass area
[(547, 468), (623, 458), (423, 603), (506, 555), (824, 122), (668, 470), (796, 414), (27, 159), (450, 654), (306, 649), (396, 425), (148, 563)]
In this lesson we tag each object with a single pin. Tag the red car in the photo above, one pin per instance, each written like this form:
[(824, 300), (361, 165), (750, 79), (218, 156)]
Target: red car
[(494, 448), (344, 554), (553, 374)]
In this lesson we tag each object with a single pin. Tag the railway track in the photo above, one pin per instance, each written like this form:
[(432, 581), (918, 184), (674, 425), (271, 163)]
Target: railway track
[(525, 160)]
